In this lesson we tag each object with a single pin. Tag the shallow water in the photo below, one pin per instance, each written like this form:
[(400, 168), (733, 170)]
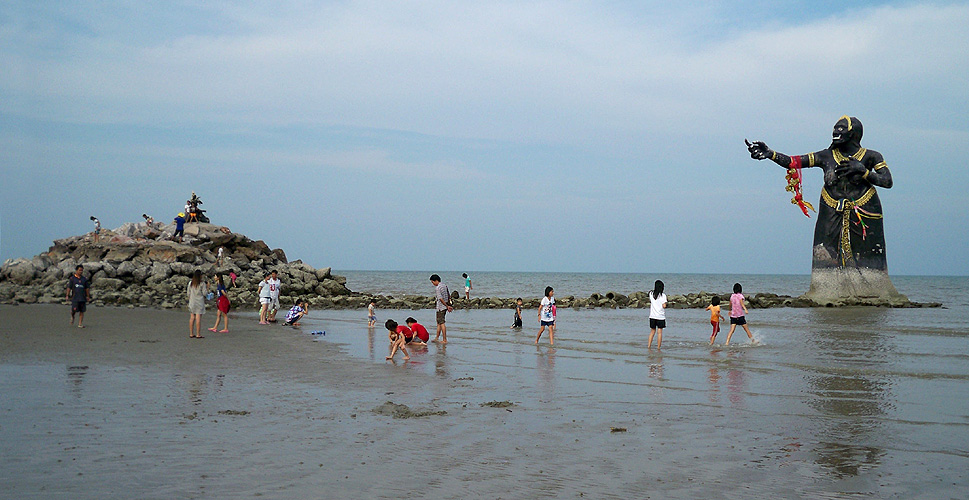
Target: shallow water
[(826, 402)]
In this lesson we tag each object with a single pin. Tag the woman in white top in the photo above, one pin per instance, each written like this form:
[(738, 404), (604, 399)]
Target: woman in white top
[(546, 315), (657, 314)]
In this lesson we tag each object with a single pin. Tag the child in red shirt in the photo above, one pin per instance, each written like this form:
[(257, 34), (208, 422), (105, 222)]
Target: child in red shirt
[(418, 331), (397, 335)]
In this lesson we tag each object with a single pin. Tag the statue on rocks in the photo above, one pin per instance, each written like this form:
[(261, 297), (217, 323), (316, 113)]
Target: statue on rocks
[(849, 240)]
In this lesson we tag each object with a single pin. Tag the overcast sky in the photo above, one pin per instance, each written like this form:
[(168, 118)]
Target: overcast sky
[(518, 136)]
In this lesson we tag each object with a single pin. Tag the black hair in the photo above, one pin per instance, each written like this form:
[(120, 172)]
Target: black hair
[(715, 301), (410, 320), (93, 217), (79, 267), (737, 288), (391, 325), (196, 278), (218, 278), (373, 301), (548, 290), (435, 277), (519, 299), (657, 289), (464, 275)]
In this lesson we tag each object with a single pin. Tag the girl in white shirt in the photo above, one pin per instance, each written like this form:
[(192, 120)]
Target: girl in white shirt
[(657, 314)]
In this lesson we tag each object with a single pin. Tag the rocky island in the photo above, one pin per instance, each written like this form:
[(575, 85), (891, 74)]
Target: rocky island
[(138, 265)]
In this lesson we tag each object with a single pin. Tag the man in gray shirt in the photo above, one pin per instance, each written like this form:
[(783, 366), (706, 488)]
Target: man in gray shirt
[(443, 305)]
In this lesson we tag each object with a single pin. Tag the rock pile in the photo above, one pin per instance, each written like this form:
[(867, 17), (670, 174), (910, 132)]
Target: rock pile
[(137, 264)]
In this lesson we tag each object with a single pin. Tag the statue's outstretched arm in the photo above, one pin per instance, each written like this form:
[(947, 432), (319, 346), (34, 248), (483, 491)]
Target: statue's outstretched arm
[(759, 151)]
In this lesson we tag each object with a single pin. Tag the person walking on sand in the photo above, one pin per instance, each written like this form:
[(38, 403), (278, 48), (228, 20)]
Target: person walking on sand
[(546, 315), (371, 313), (715, 316), (197, 289), (657, 314), (222, 305), (264, 300), (396, 335), (738, 313), (442, 305), (467, 286), (78, 292), (274, 286), (517, 322)]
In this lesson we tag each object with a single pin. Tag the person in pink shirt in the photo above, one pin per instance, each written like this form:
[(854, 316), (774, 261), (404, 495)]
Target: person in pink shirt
[(738, 312)]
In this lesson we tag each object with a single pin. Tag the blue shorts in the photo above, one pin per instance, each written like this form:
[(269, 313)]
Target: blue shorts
[(548, 323)]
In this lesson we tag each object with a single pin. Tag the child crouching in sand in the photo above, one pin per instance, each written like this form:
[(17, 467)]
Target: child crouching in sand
[(397, 339), (297, 312)]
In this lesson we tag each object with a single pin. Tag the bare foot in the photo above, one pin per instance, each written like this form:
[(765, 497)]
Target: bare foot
[(406, 358), (81, 326), (389, 357), (224, 331)]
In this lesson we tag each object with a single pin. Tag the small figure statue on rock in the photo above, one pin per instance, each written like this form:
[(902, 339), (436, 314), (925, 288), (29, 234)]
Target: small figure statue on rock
[(195, 214), (849, 258)]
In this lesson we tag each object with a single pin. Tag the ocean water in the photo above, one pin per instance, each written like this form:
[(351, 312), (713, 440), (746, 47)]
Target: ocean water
[(945, 289), (826, 403)]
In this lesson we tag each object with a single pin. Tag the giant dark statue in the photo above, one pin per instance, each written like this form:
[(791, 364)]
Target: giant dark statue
[(849, 238)]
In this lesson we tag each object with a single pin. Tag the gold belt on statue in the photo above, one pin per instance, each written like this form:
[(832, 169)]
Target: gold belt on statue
[(847, 208)]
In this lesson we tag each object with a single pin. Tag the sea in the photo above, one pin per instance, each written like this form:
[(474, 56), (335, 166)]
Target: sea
[(821, 403)]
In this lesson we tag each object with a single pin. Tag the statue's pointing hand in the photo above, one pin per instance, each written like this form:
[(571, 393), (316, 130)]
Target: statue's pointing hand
[(758, 150)]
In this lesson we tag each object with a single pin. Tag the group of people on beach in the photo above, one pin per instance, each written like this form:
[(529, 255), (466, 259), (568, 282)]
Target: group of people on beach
[(415, 334)]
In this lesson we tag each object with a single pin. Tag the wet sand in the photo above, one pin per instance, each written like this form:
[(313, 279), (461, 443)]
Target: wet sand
[(131, 407)]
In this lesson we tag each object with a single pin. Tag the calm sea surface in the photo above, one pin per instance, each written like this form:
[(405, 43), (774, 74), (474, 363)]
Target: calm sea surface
[(826, 402)]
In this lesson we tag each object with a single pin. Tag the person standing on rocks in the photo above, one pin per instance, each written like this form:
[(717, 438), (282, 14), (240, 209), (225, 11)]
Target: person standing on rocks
[(197, 289), (442, 305), (274, 285), (467, 286), (78, 292), (97, 228), (179, 227)]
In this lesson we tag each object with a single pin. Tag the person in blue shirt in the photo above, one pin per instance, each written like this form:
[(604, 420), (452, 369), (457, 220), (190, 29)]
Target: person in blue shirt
[(179, 227)]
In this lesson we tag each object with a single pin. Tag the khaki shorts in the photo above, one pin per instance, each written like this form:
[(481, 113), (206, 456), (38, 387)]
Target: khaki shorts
[(440, 316)]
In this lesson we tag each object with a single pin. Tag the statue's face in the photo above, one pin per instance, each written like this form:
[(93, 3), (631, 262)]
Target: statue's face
[(840, 134)]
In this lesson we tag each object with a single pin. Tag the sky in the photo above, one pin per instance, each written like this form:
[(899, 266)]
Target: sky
[(483, 136)]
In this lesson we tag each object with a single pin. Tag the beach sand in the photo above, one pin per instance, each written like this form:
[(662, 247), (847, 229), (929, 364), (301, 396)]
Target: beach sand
[(130, 407)]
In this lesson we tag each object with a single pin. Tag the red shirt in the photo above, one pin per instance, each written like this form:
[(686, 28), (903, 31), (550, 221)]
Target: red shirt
[(421, 332), (406, 331)]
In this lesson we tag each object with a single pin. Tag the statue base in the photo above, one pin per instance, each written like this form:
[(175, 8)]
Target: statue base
[(837, 285)]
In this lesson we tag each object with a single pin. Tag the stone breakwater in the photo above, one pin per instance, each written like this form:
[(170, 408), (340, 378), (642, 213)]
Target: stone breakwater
[(137, 265)]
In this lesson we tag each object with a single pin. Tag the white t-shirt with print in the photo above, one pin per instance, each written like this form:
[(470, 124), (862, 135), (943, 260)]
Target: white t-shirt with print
[(547, 305)]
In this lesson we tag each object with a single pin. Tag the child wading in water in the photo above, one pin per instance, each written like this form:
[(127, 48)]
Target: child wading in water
[(738, 312), (546, 315), (657, 314), (371, 316), (222, 304), (715, 317), (397, 340), (517, 323)]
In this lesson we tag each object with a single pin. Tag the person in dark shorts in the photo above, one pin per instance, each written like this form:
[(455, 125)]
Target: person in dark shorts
[(442, 303), (738, 313), (179, 227), (657, 314), (78, 292)]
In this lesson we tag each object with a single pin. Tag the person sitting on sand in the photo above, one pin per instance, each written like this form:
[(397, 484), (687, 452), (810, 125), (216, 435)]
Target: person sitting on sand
[(296, 313), (419, 335), (396, 335)]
